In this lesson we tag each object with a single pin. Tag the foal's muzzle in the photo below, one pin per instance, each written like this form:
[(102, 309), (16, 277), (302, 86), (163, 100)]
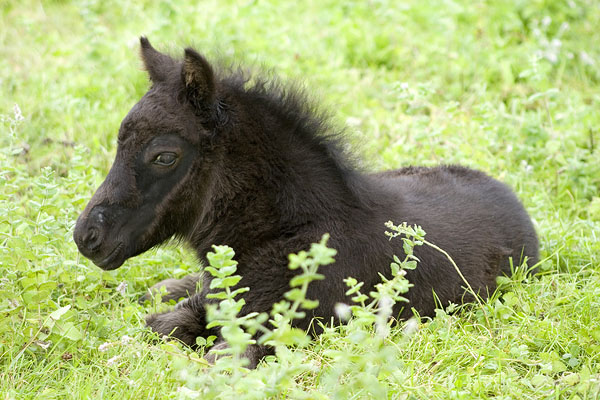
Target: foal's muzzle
[(92, 236)]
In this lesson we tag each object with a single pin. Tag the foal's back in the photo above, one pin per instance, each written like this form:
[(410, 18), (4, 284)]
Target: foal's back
[(476, 219)]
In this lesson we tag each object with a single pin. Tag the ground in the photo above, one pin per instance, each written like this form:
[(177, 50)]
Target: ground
[(507, 87)]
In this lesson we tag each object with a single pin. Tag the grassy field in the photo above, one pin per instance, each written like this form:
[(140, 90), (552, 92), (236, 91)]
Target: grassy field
[(508, 87)]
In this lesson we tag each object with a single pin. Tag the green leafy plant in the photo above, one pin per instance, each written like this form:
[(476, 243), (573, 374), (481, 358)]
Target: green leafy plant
[(367, 331), (510, 88)]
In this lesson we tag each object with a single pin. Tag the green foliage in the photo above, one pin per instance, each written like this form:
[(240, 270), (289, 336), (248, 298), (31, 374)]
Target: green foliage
[(222, 267), (285, 312), (238, 332), (508, 87), (368, 358)]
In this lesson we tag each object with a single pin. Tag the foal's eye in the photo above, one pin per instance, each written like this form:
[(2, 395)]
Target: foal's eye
[(165, 159)]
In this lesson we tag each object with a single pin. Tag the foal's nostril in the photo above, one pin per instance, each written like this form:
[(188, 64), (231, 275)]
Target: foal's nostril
[(92, 240), (91, 231), (93, 235)]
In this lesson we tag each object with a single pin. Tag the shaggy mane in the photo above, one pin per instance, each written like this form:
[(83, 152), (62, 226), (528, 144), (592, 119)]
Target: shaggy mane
[(291, 102)]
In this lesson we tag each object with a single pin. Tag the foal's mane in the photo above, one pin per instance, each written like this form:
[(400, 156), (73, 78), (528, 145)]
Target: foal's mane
[(291, 103)]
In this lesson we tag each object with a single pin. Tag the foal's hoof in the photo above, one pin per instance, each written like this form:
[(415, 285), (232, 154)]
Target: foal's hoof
[(182, 323), (211, 357), (254, 353)]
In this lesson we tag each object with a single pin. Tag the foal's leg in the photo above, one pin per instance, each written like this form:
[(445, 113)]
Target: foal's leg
[(175, 288), (185, 322), (254, 353)]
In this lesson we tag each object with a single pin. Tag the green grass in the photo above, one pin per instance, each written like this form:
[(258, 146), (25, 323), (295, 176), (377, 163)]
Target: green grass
[(508, 87)]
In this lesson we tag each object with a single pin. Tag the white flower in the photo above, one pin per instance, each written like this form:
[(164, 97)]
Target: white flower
[(343, 311), (122, 288), (17, 112), (104, 346), (353, 121), (586, 59), (125, 340), (385, 304), (411, 326), (42, 344), (563, 27), (113, 360), (546, 21), (192, 394), (528, 168), (385, 310)]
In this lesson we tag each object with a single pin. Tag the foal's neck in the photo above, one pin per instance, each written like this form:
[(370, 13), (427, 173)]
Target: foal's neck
[(277, 180)]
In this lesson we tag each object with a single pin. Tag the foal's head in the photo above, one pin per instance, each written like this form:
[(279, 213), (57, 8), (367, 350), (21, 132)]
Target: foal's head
[(163, 150)]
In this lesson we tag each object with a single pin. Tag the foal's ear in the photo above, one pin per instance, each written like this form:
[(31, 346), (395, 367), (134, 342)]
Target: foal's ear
[(199, 79), (156, 63)]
